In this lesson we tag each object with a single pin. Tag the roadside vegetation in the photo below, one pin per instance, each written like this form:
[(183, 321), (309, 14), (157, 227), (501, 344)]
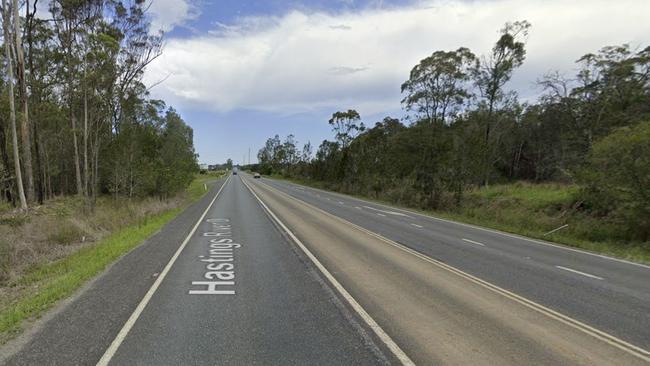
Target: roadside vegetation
[(470, 150), (90, 165), (57, 247)]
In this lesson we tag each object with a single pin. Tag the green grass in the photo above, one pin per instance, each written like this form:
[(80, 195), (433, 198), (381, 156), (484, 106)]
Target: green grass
[(48, 283), (532, 210)]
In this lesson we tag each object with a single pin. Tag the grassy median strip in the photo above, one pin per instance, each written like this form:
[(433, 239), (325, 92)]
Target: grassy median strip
[(44, 285)]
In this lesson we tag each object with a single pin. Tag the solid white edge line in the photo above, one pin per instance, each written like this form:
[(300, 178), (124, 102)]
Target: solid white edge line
[(580, 273), (381, 214), (416, 225), (473, 242), (383, 336), (110, 352), (494, 231), (565, 319)]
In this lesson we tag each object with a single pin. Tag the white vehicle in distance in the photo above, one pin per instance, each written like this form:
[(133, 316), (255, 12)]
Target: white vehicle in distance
[(256, 175)]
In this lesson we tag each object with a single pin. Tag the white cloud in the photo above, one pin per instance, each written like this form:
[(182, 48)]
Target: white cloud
[(305, 61), (167, 14)]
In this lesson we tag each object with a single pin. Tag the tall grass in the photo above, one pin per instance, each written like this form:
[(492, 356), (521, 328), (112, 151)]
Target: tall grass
[(83, 248)]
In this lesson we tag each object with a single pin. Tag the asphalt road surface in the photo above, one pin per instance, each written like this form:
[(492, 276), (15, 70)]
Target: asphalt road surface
[(268, 272)]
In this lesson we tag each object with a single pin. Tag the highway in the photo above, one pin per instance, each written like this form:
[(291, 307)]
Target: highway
[(268, 272)]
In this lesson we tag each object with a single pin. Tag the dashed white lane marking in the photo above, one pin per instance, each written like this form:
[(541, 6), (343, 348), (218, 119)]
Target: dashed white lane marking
[(357, 207), (416, 225), (387, 212), (382, 215), (341, 202), (580, 273), (473, 242), (610, 339)]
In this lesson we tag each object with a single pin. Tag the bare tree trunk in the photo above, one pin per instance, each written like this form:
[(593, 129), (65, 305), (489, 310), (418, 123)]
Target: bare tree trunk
[(24, 125), (76, 154), (85, 141), (12, 107)]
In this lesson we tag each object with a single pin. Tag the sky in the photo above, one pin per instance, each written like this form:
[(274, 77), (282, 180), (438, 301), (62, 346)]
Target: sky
[(241, 71)]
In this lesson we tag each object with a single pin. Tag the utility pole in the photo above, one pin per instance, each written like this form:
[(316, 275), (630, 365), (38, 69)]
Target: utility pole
[(249, 156)]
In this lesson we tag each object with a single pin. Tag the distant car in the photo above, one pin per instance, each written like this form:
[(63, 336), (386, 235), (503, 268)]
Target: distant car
[(256, 175), (234, 172)]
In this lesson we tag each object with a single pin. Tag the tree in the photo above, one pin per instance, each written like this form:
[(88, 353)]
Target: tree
[(6, 20), (229, 164), (25, 131), (491, 75), (344, 125), (618, 176), (436, 87)]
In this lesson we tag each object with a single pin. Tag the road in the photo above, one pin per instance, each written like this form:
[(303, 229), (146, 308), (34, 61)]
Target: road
[(268, 272)]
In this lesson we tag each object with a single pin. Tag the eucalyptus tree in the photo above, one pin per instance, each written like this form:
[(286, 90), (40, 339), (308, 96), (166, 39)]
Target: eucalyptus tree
[(491, 75), (437, 86), (25, 130), (6, 21), (346, 125)]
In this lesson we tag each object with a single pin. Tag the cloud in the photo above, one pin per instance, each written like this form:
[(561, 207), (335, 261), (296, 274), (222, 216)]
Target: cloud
[(340, 27), (167, 14), (302, 61), (346, 70)]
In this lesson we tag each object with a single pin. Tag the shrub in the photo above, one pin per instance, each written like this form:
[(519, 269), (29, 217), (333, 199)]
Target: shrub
[(5, 260), (617, 179), (66, 233)]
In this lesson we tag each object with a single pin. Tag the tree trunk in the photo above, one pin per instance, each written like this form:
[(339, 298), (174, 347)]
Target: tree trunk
[(12, 107), (24, 125), (76, 153), (85, 140)]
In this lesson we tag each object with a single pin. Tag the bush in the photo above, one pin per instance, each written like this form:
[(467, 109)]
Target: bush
[(617, 180), (4, 261), (66, 233)]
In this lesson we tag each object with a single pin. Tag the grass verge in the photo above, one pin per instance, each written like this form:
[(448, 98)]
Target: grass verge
[(46, 284), (530, 210)]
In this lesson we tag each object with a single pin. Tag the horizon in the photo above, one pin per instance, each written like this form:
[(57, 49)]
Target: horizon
[(262, 68)]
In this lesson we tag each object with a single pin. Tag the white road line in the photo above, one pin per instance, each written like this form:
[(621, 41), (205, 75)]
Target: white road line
[(514, 236), (380, 214), (580, 273), (416, 225), (388, 212), (110, 352), (473, 242), (357, 207), (381, 334), (576, 324), (341, 202)]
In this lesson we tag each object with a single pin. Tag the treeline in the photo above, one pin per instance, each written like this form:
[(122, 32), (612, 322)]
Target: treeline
[(465, 128), (75, 117)]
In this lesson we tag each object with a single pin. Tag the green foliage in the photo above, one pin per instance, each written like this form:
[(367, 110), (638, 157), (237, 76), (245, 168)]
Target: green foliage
[(345, 127), (617, 178), (436, 87), (43, 285), (468, 130)]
